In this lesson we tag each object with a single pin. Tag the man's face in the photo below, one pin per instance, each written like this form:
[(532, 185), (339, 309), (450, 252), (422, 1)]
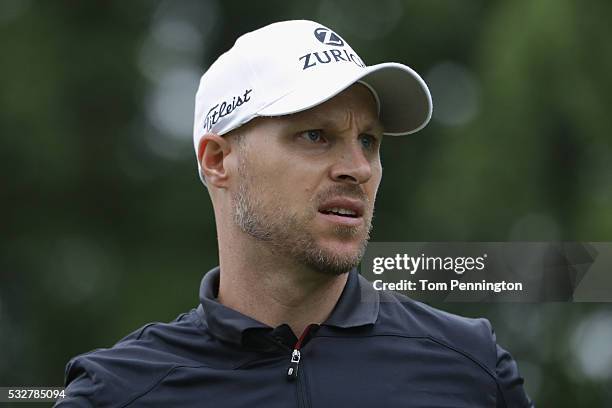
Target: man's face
[(307, 182)]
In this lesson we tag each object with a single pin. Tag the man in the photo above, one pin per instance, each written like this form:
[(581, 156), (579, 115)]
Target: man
[(287, 131)]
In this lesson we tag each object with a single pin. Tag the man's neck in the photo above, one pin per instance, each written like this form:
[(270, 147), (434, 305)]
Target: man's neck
[(272, 289)]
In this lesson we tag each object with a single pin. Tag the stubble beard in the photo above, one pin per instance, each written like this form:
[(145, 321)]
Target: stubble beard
[(287, 234)]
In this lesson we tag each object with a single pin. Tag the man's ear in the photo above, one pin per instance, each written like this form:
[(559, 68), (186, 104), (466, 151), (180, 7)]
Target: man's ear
[(212, 152)]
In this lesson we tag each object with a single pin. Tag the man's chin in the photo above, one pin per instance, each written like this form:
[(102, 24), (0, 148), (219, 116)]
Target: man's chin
[(336, 257), (343, 249)]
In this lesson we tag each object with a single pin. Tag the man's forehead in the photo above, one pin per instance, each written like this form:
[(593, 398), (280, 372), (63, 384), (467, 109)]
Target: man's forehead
[(357, 99)]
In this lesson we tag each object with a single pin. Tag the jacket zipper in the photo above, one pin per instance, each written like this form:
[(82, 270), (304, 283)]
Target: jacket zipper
[(293, 369), (294, 363)]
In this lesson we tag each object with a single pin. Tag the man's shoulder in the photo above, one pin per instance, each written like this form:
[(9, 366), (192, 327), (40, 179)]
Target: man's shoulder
[(471, 337), (134, 364), (156, 341)]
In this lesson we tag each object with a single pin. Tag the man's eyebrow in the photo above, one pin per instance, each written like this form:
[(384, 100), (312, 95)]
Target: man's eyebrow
[(322, 120), (377, 127)]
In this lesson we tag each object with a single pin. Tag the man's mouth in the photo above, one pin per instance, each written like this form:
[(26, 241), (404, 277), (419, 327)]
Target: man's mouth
[(343, 212), (343, 208)]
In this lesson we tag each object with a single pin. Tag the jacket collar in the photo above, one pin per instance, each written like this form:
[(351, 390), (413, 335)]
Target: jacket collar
[(357, 306)]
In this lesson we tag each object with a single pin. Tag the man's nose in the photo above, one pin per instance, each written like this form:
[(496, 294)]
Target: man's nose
[(352, 165)]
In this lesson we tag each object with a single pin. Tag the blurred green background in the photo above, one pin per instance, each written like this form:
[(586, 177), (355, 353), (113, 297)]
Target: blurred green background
[(105, 225)]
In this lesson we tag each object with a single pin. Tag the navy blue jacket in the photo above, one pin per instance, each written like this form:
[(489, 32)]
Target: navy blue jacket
[(377, 349)]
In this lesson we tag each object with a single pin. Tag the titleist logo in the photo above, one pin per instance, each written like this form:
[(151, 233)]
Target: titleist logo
[(225, 108)]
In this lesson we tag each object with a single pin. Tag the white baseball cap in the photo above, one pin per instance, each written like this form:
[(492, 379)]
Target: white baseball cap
[(291, 66)]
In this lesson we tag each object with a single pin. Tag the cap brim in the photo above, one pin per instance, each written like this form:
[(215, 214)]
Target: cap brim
[(405, 100)]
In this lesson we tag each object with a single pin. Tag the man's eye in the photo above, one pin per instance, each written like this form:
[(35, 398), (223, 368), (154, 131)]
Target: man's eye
[(313, 135), (368, 141)]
